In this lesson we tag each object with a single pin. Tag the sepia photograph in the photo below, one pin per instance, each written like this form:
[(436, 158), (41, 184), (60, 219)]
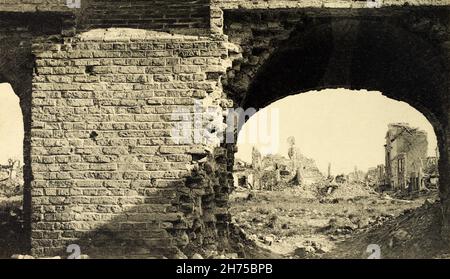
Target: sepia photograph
[(228, 130)]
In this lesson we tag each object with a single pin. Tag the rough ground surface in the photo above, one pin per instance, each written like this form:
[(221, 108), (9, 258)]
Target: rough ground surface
[(305, 223), (11, 225)]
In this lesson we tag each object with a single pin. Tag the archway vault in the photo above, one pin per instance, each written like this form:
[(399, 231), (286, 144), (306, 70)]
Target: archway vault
[(356, 53)]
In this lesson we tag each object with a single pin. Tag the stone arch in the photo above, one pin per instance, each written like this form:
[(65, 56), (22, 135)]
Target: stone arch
[(355, 53)]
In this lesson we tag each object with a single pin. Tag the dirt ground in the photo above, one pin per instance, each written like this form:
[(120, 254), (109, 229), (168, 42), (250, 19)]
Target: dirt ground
[(11, 221), (306, 223), (11, 227)]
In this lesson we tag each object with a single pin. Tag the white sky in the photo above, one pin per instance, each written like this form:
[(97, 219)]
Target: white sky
[(11, 125), (343, 127), (346, 128)]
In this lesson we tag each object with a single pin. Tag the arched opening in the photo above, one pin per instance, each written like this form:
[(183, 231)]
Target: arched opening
[(350, 54), (359, 54), (317, 169), (12, 178)]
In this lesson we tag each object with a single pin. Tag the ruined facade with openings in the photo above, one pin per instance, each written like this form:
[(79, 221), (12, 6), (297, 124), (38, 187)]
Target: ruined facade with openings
[(406, 154)]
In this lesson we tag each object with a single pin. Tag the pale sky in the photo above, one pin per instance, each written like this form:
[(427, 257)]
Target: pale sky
[(346, 128), (11, 125), (343, 127)]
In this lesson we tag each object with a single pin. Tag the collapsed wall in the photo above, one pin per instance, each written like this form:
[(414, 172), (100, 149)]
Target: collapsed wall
[(309, 171)]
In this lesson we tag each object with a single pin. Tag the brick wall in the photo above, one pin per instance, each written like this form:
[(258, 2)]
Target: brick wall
[(273, 4), (164, 15), (191, 16), (32, 5), (105, 166)]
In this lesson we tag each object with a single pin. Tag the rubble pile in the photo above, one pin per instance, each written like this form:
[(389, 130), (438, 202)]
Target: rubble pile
[(11, 187), (11, 226), (349, 190), (309, 191), (309, 221), (11, 179), (274, 172), (413, 234)]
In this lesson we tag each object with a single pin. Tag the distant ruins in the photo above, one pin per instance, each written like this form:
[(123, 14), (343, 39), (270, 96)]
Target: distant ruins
[(275, 172), (376, 175), (406, 149), (407, 164), (11, 170)]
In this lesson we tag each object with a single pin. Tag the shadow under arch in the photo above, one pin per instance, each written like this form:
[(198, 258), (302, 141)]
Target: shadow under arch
[(356, 54)]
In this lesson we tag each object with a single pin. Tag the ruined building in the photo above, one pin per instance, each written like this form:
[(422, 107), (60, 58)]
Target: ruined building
[(276, 172), (406, 156), (376, 176), (296, 163), (242, 174), (98, 84), (356, 175), (431, 170), (10, 170), (256, 169)]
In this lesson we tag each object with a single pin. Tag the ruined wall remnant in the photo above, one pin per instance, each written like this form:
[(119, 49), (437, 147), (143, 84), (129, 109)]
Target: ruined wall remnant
[(289, 171), (114, 151), (406, 155), (257, 168), (103, 158), (277, 172), (297, 165), (376, 177)]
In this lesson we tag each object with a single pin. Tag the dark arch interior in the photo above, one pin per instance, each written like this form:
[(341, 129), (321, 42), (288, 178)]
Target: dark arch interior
[(360, 54), (354, 54)]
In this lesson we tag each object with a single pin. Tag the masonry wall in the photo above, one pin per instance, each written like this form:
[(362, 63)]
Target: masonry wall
[(32, 5), (411, 145), (276, 4), (190, 15), (186, 16), (106, 169)]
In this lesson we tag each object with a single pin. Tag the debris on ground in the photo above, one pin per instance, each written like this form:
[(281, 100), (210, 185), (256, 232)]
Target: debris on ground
[(315, 222), (11, 227)]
